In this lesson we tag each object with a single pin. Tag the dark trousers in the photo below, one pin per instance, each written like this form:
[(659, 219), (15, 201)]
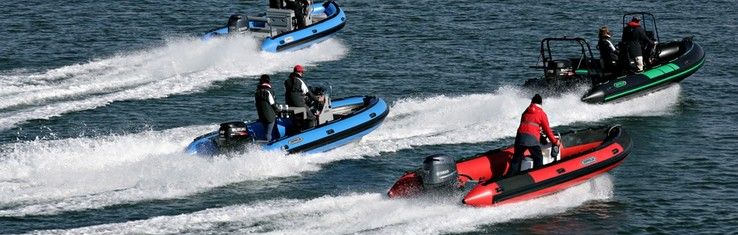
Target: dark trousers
[(535, 154), (269, 130)]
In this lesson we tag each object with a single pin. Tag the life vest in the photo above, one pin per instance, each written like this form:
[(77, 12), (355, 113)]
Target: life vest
[(263, 101), (533, 120)]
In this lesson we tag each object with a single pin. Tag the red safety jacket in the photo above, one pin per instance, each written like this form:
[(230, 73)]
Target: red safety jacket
[(533, 120)]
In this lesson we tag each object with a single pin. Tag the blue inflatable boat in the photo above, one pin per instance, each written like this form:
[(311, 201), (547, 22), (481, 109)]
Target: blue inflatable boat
[(340, 122), (278, 30)]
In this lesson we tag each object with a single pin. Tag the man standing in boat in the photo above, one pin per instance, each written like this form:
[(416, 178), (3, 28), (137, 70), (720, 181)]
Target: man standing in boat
[(278, 4), (534, 120), (608, 52), (266, 108), (296, 91), (634, 38), (301, 11)]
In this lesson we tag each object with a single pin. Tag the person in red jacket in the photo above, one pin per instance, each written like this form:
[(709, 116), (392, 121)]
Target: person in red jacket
[(529, 134)]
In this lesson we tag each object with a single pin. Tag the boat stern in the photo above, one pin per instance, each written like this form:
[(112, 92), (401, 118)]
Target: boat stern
[(408, 185), (204, 145)]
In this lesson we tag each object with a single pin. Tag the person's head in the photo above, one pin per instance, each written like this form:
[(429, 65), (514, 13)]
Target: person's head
[(265, 79), (537, 99), (634, 23), (604, 32), (298, 69)]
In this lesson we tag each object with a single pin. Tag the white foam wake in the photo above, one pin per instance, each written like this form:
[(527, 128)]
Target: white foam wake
[(47, 177), (52, 176), (181, 66), (370, 213), (486, 117)]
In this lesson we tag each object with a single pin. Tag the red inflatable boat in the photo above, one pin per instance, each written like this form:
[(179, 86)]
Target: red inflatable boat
[(584, 154)]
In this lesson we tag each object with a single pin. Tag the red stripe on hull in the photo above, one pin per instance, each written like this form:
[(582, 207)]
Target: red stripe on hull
[(558, 187), (576, 163)]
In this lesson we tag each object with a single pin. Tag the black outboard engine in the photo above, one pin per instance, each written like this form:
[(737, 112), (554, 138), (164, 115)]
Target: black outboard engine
[(238, 23), (557, 69), (232, 134), (439, 171)]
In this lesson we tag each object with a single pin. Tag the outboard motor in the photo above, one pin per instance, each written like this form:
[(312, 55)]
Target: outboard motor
[(232, 134), (238, 23), (439, 171), (557, 69)]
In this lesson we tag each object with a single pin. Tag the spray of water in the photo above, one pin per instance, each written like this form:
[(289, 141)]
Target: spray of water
[(486, 117), (52, 176), (181, 66), (369, 213)]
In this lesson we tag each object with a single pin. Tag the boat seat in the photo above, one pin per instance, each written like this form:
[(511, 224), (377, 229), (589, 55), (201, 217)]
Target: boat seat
[(326, 115), (297, 111), (527, 162), (280, 20)]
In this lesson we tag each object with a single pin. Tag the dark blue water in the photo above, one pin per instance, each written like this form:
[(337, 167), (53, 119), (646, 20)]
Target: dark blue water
[(98, 99)]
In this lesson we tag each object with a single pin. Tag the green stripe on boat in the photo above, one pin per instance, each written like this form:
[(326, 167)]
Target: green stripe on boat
[(661, 70), (581, 72), (698, 65)]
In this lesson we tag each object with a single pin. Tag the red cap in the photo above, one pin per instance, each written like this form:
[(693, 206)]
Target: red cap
[(299, 69)]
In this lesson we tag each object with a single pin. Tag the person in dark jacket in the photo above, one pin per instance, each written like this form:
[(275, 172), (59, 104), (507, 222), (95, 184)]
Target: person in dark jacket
[(279, 4), (296, 91), (634, 38), (301, 11), (265, 106), (534, 120), (608, 52)]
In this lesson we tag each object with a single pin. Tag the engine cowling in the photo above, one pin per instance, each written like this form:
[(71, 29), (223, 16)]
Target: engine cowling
[(439, 171), (232, 134), (238, 23)]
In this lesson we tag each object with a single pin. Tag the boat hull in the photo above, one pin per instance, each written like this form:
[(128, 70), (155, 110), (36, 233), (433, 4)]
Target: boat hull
[(672, 69), (300, 38), (321, 138), (586, 154)]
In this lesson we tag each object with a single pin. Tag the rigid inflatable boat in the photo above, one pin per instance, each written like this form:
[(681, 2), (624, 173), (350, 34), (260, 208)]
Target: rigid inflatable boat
[(669, 63), (584, 155), (340, 122), (278, 29), (676, 61)]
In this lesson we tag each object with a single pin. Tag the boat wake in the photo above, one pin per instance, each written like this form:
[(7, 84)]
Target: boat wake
[(487, 117), (54, 176), (369, 213), (180, 66)]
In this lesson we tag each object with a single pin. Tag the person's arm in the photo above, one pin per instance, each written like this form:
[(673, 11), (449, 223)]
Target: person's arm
[(642, 32), (306, 91), (312, 97), (271, 101), (547, 130), (612, 47)]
